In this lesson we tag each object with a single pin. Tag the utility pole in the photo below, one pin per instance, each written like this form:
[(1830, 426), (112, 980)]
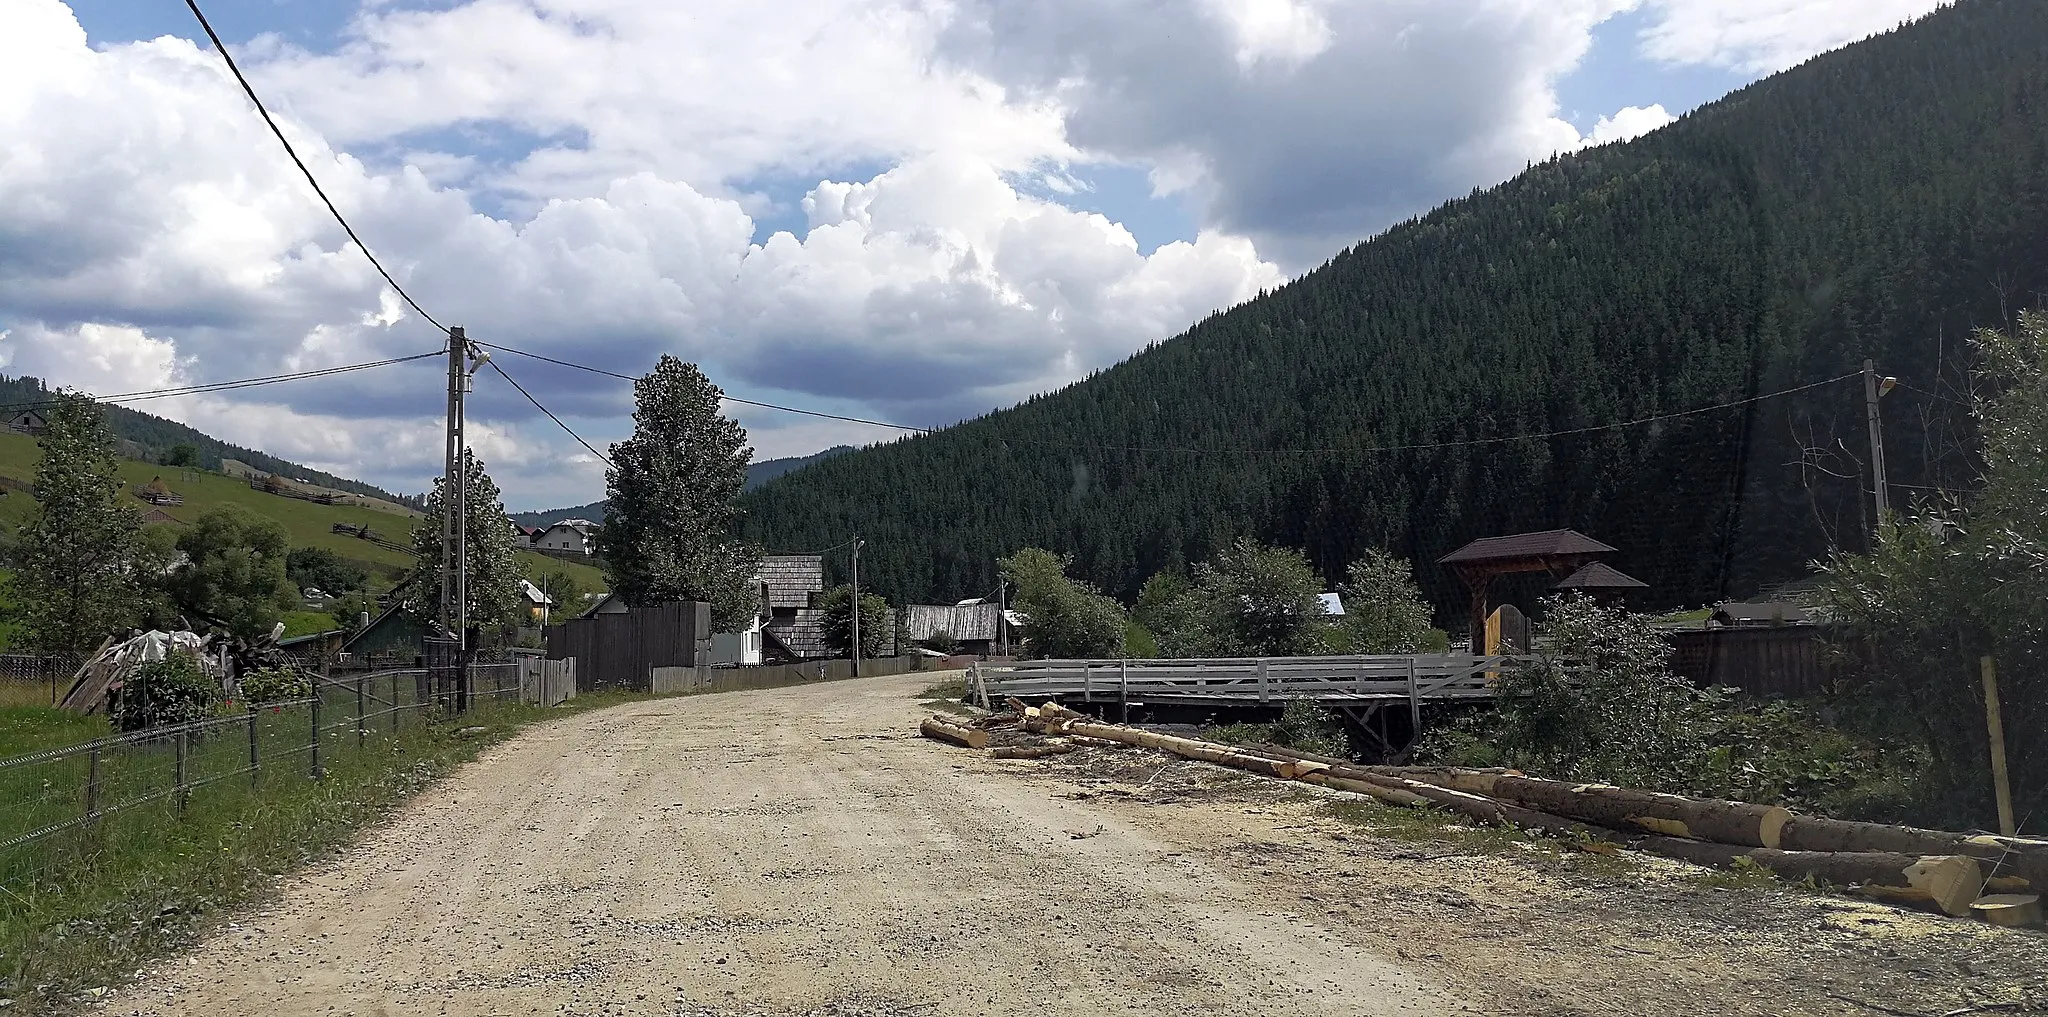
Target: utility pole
[(1872, 389), (1002, 615), (856, 603), (451, 465)]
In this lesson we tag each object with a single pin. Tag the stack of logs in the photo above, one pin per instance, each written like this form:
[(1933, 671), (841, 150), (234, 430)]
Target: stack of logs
[(1994, 878)]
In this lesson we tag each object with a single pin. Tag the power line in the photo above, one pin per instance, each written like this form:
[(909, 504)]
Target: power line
[(727, 398), (1470, 442), (551, 416), (1420, 447), (250, 91), (144, 395)]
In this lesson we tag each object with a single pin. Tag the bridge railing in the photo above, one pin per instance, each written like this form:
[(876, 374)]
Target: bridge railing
[(1248, 679)]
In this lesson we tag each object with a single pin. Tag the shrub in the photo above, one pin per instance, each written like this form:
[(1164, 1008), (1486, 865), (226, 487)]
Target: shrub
[(168, 691), (276, 685)]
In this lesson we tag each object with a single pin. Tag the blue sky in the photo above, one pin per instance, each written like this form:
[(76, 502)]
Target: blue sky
[(609, 181)]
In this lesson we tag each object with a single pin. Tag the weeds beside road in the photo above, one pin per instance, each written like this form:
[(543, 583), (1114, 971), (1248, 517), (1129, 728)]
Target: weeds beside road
[(86, 906)]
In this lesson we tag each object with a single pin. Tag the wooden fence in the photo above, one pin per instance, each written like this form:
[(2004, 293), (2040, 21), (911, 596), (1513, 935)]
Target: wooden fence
[(673, 680), (1776, 660), (544, 682), (620, 651)]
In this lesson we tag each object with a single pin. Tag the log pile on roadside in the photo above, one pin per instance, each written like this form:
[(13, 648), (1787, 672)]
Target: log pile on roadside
[(1997, 879)]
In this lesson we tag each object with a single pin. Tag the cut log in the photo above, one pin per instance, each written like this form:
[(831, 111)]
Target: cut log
[(1098, 743), (1030, 751), (2021, 857), (1017, 706), (1189, 748), (1478, 782), (2012, 910), (946, 731), (1480, 808), (1946, 883), (1626, 809), (1390, 796)]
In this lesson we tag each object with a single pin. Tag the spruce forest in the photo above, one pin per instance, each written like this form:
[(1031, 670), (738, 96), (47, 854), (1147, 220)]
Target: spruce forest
[(1877, 202)]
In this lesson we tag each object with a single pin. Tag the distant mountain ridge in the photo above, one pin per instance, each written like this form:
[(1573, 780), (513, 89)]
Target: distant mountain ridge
[(757, 474), (149, 437)]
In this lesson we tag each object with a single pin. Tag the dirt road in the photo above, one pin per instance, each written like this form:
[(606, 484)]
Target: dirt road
[(802, 852)]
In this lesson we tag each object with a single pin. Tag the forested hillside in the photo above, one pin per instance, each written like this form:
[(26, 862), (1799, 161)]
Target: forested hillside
[(153, 436), (757, 474), (1880, 201)]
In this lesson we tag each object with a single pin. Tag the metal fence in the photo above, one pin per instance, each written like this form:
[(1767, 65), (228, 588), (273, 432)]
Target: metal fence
[(152, 777), (26, 678)]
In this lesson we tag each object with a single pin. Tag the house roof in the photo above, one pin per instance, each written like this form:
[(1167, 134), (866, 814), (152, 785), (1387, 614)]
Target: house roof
[(803, 635), (583, 526), (961, 621), (792, 578), (532, 593), (310, 637), (1596, 576), (1332, 603), (157, 515), (1546, 544)]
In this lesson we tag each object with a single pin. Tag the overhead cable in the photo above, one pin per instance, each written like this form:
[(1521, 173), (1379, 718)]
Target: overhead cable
[(250, 91)]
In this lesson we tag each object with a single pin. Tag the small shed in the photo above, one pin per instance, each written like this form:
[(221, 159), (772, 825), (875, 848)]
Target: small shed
[(976, 628), (1557, 552), (1602, 582), (398, 630), (28, 422)]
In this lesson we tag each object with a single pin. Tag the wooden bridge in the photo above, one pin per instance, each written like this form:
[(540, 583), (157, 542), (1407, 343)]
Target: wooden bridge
[(1247, 680)]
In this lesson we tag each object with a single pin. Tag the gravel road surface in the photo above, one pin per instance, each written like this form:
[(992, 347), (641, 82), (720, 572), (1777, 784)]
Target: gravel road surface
[(803, 852), (791, 852)]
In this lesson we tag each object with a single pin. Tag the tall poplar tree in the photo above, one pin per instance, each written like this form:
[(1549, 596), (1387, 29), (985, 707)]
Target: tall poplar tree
[(673, 490), (494, 572), (74, 560)]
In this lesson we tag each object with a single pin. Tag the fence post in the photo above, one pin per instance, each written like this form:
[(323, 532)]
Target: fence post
[(1263, 695), (181, 793), (316, 734), (2001, 789), (1414, 702), (362, 716), (254, 763), (1087, 682), (395, 711), (92, 782), (1123, 688)]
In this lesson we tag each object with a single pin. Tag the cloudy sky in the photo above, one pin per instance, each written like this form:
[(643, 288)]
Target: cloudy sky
[(910, 210)]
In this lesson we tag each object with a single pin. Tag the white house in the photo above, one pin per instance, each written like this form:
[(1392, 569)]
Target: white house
[(738, 648), (570, 535)]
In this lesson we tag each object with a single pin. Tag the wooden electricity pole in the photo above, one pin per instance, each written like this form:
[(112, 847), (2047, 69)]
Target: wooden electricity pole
[(1871, 392), (855, 608)]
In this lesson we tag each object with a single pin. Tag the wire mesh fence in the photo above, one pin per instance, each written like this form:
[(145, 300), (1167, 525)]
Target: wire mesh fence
[(92, 798)]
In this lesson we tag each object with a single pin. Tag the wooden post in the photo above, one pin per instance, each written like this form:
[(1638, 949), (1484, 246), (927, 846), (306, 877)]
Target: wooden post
[(254, 764), (1414, 702), (1999, 783), (1264, 696), (1123, 689), (362, 716), (92, 782), (1087, 683), (180, 792), (315, 711)]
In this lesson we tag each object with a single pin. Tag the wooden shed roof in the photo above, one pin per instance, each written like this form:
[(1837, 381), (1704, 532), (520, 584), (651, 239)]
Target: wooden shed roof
[(961, 621), (1545, 544), (1601, 577), (792, 578)]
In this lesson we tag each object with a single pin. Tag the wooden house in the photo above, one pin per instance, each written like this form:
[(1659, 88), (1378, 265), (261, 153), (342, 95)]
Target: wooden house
[(28, 422)]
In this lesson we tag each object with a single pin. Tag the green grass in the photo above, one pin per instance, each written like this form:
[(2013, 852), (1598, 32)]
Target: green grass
[(306, 623), (28, 723), (308, 524), (82, 908)]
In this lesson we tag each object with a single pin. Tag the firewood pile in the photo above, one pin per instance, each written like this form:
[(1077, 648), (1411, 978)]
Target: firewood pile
[(1992, 878)]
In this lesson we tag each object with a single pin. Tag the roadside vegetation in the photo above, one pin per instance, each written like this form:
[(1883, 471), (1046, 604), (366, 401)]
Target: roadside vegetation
[(91, 905), (1951, 584)]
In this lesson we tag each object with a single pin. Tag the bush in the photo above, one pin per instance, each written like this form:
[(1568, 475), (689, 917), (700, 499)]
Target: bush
[(276, 685), (168, 691), (941, 642), (1303, 725)]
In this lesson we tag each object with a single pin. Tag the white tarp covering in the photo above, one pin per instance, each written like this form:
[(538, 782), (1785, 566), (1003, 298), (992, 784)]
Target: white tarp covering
[(113, 664)]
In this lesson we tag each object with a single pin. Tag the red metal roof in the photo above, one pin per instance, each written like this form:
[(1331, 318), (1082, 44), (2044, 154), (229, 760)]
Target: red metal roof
[(1546, 544)]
